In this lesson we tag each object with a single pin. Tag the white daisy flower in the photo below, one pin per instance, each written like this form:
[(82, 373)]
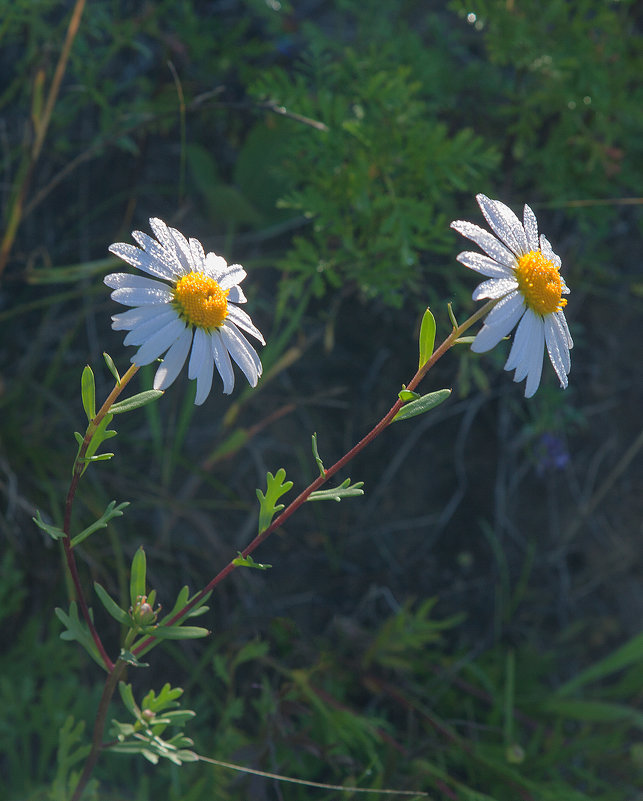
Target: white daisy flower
[(524, 272), (192, 306)]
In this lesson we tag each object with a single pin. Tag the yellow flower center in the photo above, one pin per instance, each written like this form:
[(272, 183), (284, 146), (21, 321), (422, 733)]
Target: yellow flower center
[(200, 300), (540, 283)]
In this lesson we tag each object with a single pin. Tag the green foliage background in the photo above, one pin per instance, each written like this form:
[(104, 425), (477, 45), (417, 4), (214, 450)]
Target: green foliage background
[(327, 146)]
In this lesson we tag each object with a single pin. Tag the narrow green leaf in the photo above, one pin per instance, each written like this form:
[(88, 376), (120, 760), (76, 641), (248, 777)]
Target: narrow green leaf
[(111, 367), (88, 392), (345, 490), (320, 464), (120, 615), (136, 401), (137, 576), (111, 511), (248, 561), (626, 655), (424, 404), (467, 340), (176, 632), (597, 711), (454, 322), (54, 532), (427, 337), (408, 395)]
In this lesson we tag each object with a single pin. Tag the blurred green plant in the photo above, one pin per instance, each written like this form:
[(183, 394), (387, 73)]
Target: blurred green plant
[(358, 136)]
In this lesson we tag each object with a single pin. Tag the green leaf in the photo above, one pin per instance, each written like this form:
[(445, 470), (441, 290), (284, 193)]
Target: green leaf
[(130, 659), (176, 632), (111, 367), (54, 532), (109, 513), (136, 401), (320, 464), (182, 600), (422, 405), (127, 697), (275, 488), (137, 576), (88, 392), (626, 655), (407, 395), (596, 711), (76, 629), (345, 490), (99, 435), (467, 340), (248, 561), (454, 322), (120, 615), (427, 337)]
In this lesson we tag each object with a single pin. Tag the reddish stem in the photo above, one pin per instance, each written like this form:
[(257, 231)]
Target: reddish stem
[(322, 479)]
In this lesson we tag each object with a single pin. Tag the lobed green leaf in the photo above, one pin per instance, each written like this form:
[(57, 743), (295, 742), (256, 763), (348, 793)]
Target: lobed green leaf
[(54, 532), (109, 513)]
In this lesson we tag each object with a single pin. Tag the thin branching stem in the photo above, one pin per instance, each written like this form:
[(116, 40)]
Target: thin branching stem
[(69, 503), (322, 479)]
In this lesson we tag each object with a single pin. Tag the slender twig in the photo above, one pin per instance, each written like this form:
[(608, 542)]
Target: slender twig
[(41, 131), (111, 682)]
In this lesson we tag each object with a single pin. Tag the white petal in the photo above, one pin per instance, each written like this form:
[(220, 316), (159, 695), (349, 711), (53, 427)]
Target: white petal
[(198, 254), (556, 347), (222, 361), (235, 295), (527, 352), (159, 342), (242, 352), (132, 317), (504, 223), (204, 380), (494, 288), (162, 233), (489, 336), (510, 307), (147, 328), (562, 321), (242, 319), (486, 241), (132, 290), (200, 352), (234, 275), (182, 249), (531, 228), (215, 266), (159, 253), (173, 361), (156, 262), (119, 280), (547, 251), (484, 265)]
